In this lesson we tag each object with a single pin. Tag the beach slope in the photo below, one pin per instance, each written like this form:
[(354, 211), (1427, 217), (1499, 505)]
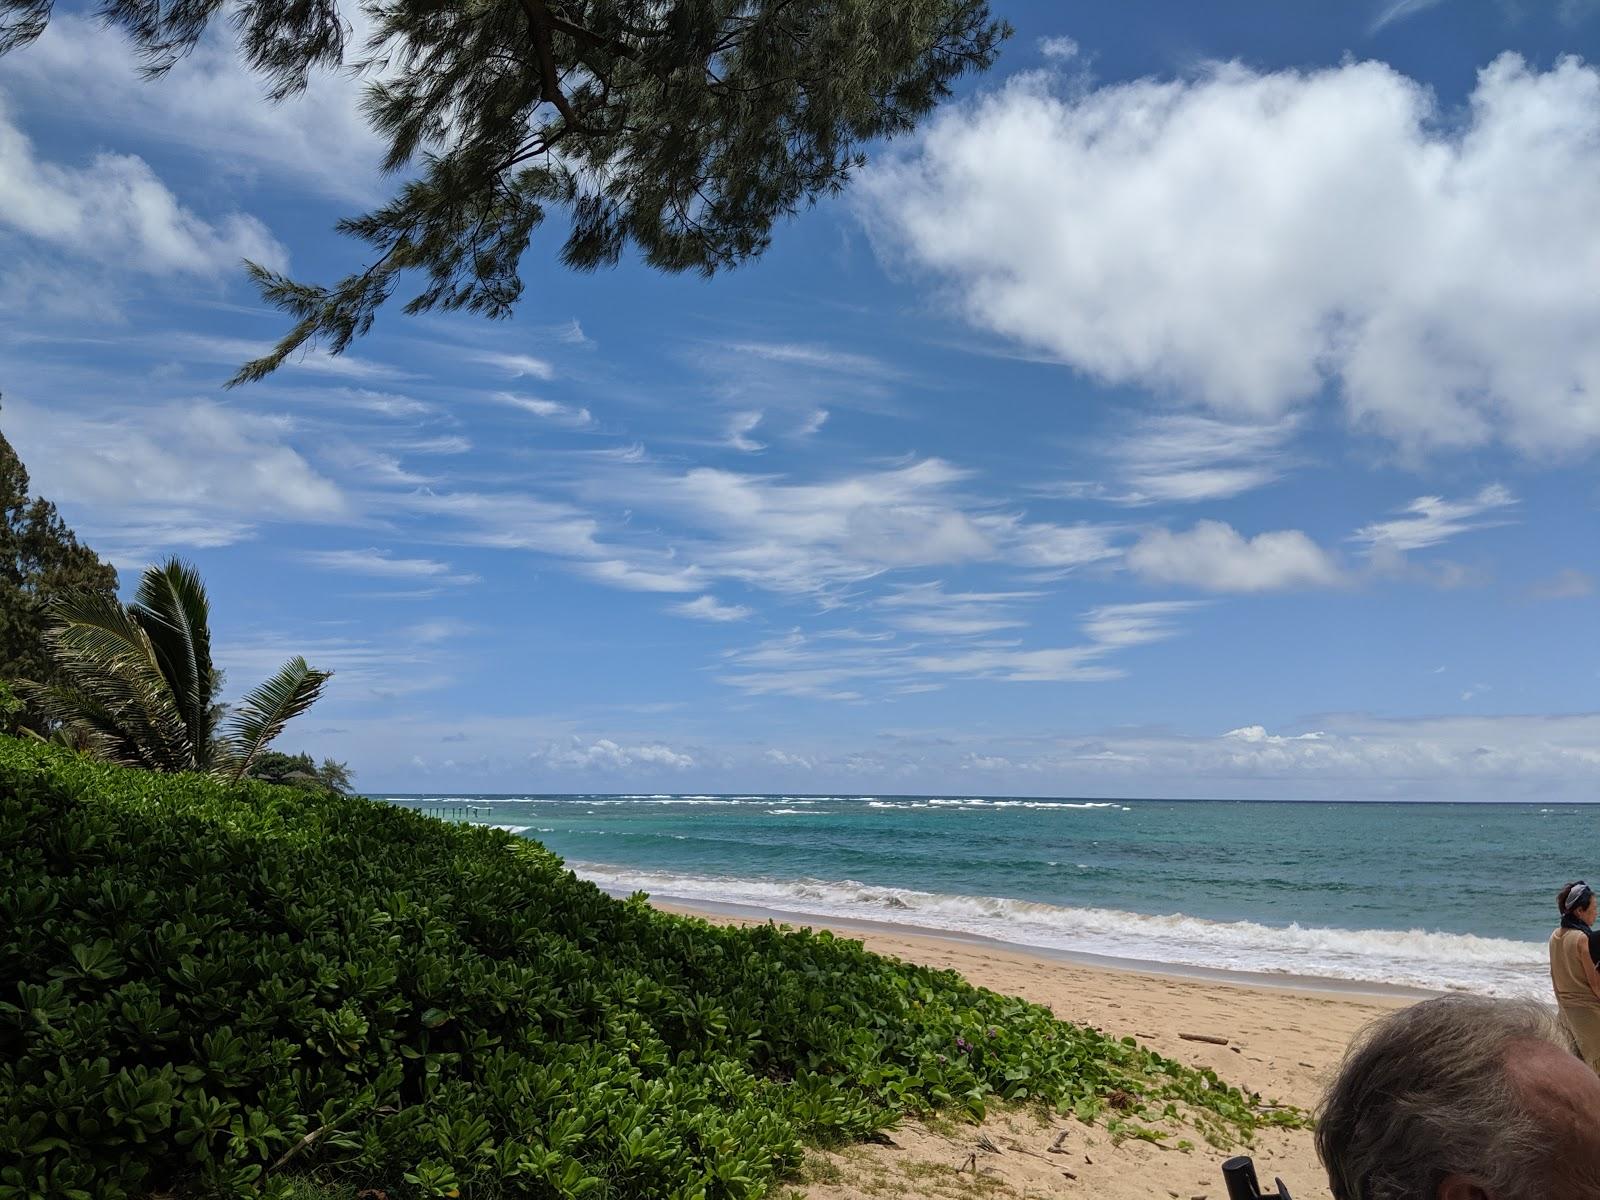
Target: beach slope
[(1285, 1043)]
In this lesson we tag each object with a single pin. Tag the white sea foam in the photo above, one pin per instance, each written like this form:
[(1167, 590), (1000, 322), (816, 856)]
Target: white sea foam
[(974, 802), (511, 828), (1414, 958), (690, 800), (793, 812)]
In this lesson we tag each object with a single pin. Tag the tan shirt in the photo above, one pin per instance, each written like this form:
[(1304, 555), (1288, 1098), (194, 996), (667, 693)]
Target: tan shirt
[(1572, 971)]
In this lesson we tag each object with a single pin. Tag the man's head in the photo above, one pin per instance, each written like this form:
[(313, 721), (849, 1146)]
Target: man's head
[(1463, 1098)]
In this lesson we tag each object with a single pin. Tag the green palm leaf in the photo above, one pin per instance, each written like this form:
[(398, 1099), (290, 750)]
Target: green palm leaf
[(172, 609), (139, 686), (114, 685), (85, 724), (262, 714)]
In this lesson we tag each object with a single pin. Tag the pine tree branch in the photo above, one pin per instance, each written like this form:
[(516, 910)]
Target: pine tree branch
[(620, 49), (540, 23)]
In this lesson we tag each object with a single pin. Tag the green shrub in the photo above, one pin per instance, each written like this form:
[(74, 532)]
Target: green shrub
[(207, 989)]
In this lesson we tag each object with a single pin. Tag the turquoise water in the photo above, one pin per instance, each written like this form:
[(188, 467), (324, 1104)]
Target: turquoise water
[(1447, 896)]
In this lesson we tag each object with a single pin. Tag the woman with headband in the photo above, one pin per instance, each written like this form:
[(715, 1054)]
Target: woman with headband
[(1574, 948)]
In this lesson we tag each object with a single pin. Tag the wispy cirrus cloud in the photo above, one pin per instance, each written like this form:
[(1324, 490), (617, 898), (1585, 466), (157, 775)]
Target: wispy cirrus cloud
[(794, 382), (387, 404), (401, 662), (655, 573), (824, 358), (1566, 584), (382, 564), (799, 537), (815, 666), (740, 426), (114, 212), (709, 608), (517, 365), (569, 415), (1429, 520), (1186, 458), (186, 473), (210, 103), (233, 352), (926, 608), (1392, 11)]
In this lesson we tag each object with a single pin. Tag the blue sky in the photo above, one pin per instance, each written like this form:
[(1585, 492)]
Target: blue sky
[(1204, 403)]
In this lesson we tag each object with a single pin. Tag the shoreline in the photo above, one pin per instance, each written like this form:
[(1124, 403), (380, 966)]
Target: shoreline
[(1267, 980), (1282, 1038), (1232, 942)]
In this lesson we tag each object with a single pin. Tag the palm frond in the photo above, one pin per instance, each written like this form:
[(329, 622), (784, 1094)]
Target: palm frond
[(114, 685), (86, 723), (261, 715), (172, 608)]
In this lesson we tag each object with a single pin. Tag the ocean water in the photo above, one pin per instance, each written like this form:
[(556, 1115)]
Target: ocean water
[(1443, 896)]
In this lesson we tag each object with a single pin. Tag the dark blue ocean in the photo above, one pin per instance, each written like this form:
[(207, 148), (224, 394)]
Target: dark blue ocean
[(1429, 895)]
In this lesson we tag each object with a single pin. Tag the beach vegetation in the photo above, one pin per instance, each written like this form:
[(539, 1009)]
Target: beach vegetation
[(242, 990), (684, 130), (302, 771), (137, 685)]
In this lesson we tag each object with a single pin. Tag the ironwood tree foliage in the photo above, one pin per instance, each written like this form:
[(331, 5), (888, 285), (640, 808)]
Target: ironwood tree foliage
[(41, 561), (686, 128)]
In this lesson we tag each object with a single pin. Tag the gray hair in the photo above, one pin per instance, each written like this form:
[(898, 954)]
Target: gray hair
[(1426, 1093)]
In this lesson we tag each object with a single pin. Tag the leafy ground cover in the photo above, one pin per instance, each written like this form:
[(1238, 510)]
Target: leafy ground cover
[(231, 990)]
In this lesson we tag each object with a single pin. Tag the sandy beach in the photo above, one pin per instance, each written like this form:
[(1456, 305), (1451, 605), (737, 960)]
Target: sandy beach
[(1283, 1042)]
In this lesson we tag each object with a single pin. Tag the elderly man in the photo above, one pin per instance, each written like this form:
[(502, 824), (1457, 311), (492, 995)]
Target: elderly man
[(1463, 1098)]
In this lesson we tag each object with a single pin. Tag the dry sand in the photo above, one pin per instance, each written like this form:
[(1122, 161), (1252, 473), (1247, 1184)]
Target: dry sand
[(1284, 1043)]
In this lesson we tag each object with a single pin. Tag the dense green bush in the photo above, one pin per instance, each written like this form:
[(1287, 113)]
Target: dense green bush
[(207, 989)]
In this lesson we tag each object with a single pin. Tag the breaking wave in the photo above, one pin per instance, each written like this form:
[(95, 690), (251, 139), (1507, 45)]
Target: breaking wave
[(1410, 958), (940, 802)]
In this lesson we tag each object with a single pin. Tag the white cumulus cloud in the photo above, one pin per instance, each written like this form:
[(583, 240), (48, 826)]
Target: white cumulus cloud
[(607, 755), (1216, 557), (1241, 238)]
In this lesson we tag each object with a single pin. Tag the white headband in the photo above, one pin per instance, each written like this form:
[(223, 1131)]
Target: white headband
[(1578, 897)]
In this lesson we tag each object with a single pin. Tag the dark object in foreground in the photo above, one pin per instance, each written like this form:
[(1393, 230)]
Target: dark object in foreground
[(1240, 1175)]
